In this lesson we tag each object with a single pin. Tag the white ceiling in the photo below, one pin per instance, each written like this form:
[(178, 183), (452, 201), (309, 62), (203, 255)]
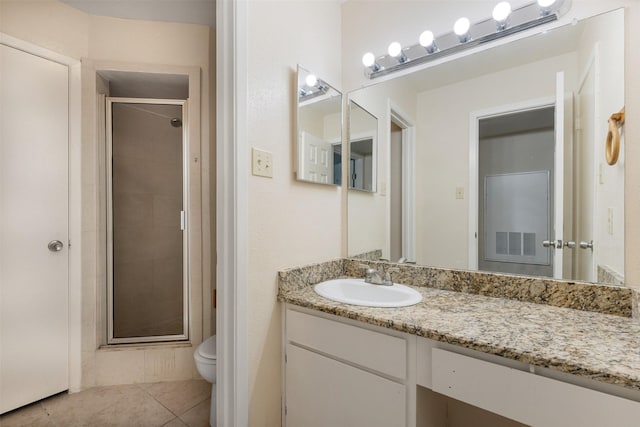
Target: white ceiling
[(201, 12)]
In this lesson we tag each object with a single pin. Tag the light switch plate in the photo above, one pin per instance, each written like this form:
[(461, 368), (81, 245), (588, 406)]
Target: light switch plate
[(459, 192), (262, 163)]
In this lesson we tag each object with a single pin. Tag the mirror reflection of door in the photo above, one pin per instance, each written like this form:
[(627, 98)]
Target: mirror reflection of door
[(363, 140), (516, 181), (395, 192), (361, 171), (584, 181)]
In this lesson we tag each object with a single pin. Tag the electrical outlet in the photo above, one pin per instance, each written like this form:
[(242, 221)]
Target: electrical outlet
[(262, 163), (459, 192)]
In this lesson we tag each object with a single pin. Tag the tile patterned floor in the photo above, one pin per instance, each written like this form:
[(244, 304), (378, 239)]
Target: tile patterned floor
[(171, 404)]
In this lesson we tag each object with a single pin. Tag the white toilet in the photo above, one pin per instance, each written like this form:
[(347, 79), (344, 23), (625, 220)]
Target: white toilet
[(205, 356)]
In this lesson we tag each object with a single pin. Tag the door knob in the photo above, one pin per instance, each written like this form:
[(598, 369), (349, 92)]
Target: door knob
[(586, 245), (570, 244), (55, 246), (552, 244)]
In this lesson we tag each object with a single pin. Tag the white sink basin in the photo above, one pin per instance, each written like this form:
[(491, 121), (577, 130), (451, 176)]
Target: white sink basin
[(357, 292)]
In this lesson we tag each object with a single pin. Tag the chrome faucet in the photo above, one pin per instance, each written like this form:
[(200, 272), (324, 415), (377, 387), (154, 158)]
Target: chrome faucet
[(374, 276)]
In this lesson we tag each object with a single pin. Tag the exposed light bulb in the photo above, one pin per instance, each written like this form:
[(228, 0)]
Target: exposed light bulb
[(311, 80), (502, 11), (368, 59), (461, 28), (395, 49), (426, 39), (545, 6)]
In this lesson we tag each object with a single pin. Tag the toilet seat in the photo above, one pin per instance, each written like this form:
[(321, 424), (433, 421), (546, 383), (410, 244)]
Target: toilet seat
[(208, 348)]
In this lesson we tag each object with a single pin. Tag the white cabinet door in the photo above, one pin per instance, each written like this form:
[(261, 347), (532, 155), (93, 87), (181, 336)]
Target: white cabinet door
[(33, 212), (324, 392)]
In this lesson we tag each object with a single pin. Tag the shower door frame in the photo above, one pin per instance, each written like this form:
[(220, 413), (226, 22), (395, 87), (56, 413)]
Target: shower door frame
[(184, 219)]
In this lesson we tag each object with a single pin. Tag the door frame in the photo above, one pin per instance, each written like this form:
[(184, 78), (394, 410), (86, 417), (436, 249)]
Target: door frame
[(403, 120), (591, 65), (474, 158), (232, 219), (75, 200), (186, 211)]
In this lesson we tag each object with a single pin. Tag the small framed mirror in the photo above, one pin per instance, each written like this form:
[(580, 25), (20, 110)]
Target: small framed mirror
[(319, 130), (363, 147)]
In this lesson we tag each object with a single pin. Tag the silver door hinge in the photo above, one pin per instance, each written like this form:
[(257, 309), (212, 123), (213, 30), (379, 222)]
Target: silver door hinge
[(182, 220)]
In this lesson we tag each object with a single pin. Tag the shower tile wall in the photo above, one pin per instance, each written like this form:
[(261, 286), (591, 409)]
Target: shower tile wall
[(147, 200)]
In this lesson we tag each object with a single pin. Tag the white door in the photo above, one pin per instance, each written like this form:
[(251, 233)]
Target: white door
[(316, 159), (585, 176), (33, 213), (558, 182)]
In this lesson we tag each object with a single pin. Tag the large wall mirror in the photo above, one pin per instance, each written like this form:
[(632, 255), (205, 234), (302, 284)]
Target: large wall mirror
[(319, 130), (501, 157)]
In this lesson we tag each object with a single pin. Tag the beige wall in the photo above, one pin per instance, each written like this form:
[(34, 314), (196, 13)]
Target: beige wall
[(60, 28), (290, 223)]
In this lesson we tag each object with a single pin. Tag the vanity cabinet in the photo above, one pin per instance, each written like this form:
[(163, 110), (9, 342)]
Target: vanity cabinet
[(340, 374), (525, 396)]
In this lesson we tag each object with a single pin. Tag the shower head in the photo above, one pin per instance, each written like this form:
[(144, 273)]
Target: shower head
[(176, 122)]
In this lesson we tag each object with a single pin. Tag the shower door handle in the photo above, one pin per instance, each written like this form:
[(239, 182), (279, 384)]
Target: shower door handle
[(55, 246)]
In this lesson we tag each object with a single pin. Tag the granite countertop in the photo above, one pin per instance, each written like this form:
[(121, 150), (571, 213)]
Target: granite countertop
[(598, 346)]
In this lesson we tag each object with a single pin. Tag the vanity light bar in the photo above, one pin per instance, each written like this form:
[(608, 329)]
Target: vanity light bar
[(466, 36), (311, 91)]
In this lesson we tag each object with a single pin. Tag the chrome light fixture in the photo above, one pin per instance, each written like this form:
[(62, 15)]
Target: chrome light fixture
[(501, 14), (465, 35), (461, 28), (313, 87)]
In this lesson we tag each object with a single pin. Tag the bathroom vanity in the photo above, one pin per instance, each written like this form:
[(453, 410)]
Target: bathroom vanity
[(537, 364)]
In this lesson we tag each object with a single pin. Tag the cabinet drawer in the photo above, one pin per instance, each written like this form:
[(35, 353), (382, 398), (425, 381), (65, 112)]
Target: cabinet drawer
[(526, 397), (372, 350)]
